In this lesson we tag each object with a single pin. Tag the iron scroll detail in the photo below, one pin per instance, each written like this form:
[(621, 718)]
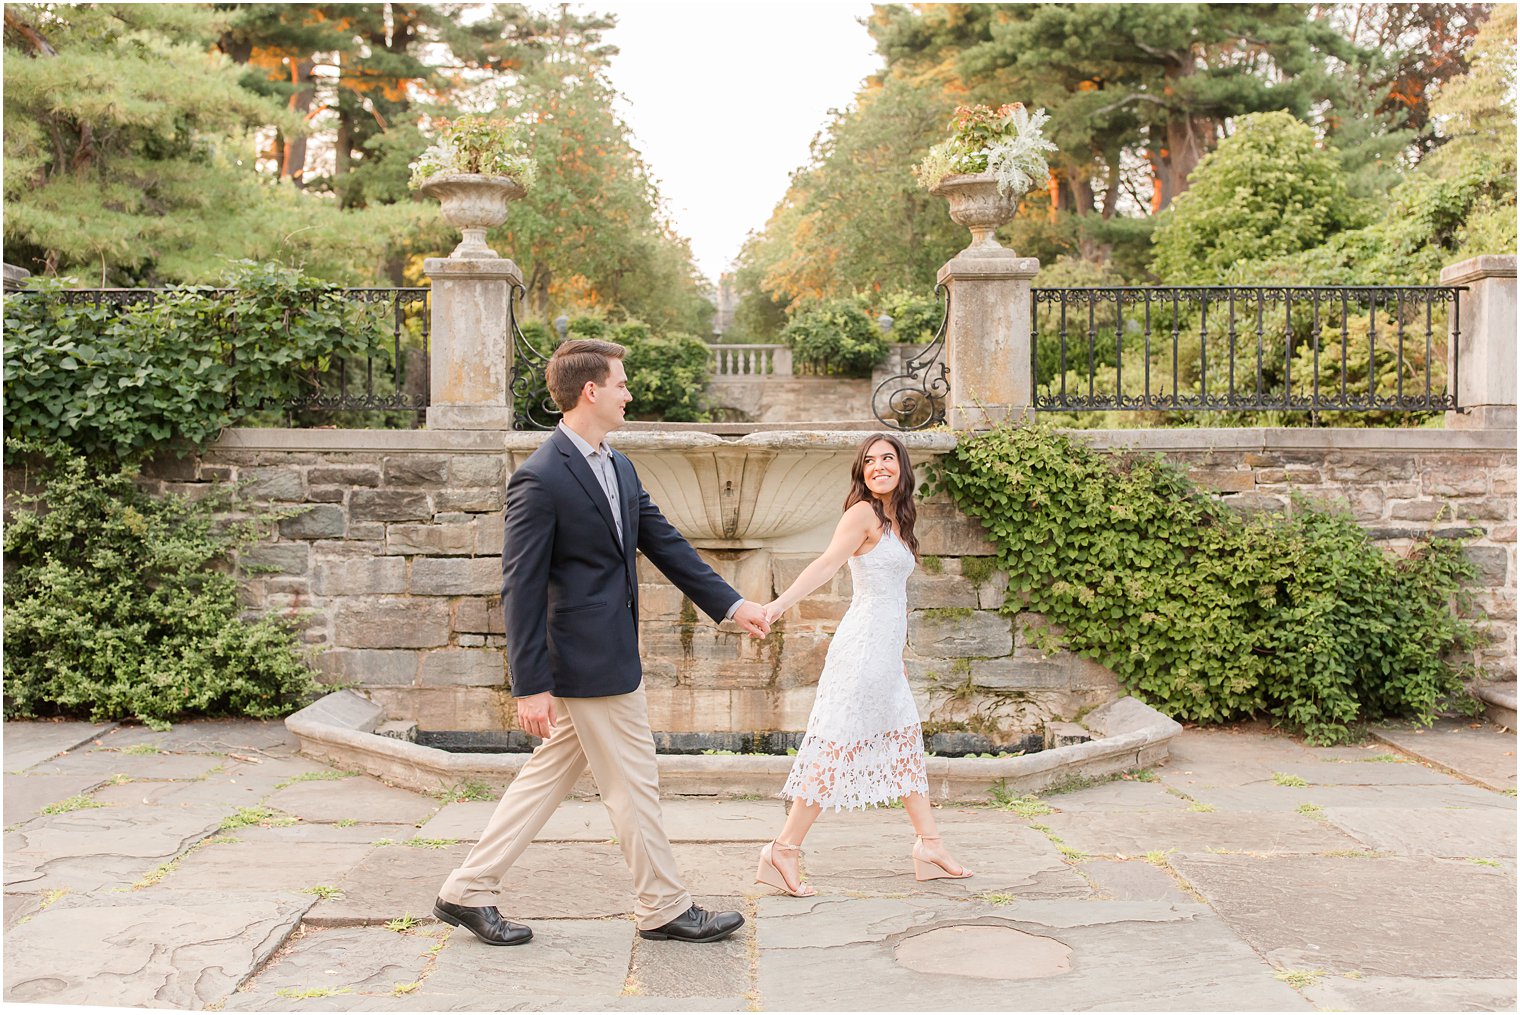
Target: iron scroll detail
[(532, 406), (915, 398)]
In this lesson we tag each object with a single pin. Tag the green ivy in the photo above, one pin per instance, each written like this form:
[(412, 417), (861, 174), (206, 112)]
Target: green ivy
[(1204, 613), (119, 604), (123, 382)]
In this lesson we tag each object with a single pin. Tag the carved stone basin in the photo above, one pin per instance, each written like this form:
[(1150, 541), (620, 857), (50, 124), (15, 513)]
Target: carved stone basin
[(763, 489)]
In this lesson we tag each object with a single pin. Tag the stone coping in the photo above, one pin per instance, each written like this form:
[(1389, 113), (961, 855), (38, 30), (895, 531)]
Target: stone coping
[(1498, 702), (801, 437), (339, 729)]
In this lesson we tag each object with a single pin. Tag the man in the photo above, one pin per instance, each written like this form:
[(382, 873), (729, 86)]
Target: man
[(576, 513)]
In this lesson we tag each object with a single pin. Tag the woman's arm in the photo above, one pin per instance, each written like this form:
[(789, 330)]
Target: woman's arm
[(853, 529)]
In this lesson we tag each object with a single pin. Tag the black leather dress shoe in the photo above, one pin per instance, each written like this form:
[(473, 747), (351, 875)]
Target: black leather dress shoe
[(696, 924), (485, 922)]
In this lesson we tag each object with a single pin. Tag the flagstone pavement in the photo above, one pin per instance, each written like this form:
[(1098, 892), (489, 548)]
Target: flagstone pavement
[(213, 867)]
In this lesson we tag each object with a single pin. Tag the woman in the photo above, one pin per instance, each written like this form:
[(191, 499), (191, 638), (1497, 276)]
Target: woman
[(864, 745)]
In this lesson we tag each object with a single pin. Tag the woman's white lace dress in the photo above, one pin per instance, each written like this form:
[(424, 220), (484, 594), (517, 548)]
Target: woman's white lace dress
[(864, 745)]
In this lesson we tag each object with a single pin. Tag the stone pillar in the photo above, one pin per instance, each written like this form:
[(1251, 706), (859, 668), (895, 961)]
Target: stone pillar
[(471, 356), (1485, 344), (987, 341)]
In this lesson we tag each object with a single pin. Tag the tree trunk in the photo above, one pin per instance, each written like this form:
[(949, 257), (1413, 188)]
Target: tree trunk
[(293, 157)]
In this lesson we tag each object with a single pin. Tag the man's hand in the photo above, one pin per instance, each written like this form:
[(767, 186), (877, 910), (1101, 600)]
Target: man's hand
[(751, 617), (535, 714)]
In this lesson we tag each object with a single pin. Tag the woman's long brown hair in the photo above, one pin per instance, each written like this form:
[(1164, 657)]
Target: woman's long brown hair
[(904, 512)]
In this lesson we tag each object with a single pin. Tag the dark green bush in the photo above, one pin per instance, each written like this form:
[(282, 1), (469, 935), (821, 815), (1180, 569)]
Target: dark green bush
[(116, 605), (836, 336), (1206, 614), (123, 382), (667, 374)]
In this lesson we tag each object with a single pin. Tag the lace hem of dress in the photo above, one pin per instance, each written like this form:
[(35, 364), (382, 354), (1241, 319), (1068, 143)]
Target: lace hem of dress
[(859, 774)]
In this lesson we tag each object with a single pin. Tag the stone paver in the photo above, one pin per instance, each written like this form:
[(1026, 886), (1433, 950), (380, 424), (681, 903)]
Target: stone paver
[(1480, 751), (1132, 833), (1394, 889), (1133, 881), (1344, 914), (275, 859), (848, 953), (1483, 832), (566, 958), (98, 848), (1271, 797), (31, 743), (357, 960), (176, 953), (26, 795), (1408, 993), (354, 799)]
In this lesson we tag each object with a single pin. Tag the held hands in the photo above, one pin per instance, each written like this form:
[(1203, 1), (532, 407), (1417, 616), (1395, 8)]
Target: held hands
[(535, 714), (752, 617), (773, 611)]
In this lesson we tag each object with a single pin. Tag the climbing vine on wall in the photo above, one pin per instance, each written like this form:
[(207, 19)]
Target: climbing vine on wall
[(1205, 613)]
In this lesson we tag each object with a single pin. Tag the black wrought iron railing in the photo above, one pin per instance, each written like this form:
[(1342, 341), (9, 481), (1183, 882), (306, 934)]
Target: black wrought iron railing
[(392, 377), (532, 406), (1245, 348), (914, 398)]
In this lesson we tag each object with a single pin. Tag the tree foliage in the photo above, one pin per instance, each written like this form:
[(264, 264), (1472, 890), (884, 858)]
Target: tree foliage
[(1270, 190)]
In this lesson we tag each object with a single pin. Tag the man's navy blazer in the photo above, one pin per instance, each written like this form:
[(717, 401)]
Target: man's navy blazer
[(569, 591)]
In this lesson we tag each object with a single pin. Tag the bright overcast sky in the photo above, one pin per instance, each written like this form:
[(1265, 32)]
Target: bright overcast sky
[(724, 99)]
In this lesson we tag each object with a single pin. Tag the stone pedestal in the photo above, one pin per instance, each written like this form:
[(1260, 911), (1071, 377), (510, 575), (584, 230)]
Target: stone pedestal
[(1485, 343), (987, 344), (471, 343)]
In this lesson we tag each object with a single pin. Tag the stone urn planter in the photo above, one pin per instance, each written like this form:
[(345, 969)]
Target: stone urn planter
[(473, 203), (977, 204)]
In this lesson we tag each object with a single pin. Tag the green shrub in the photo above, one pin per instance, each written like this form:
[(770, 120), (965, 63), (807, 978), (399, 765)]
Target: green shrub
[(117, 605), (915, 316), (1208, 615), (836, 336), (123, 382), (667, 374)]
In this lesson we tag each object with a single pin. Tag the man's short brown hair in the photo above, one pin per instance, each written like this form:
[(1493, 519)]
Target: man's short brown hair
[(576, 362)]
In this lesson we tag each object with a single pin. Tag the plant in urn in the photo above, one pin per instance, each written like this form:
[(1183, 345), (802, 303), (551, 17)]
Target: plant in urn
[(476, 167), (987, 165)]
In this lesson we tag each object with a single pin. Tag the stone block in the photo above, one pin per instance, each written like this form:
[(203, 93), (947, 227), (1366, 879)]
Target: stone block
[(479, 615), (817, 608), (1495, 508), (959, 633), (371, 667), (344, 475), (1454, 482), (371, 532), (433, 540), (392, 622), (470, 640), (360, 576), (416, 470), (466, 709), (326, 494), (388, 506), (1492, 563), (490, 533), (660, 602), (478, 470), (472, 499), (273, 484), (213, 473), (1224, 480), (944, 532), (1256, 503), (320, 521), (276, 558), (1360, 469), (468, 667), (941, 590), (458, 576), (1502, 534), (290, 586), (1418, 510)]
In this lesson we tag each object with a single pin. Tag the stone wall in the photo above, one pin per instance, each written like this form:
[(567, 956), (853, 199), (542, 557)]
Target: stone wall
[(389, 552)]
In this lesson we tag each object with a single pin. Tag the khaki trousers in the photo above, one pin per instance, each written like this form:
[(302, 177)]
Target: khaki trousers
[(611, 735)]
